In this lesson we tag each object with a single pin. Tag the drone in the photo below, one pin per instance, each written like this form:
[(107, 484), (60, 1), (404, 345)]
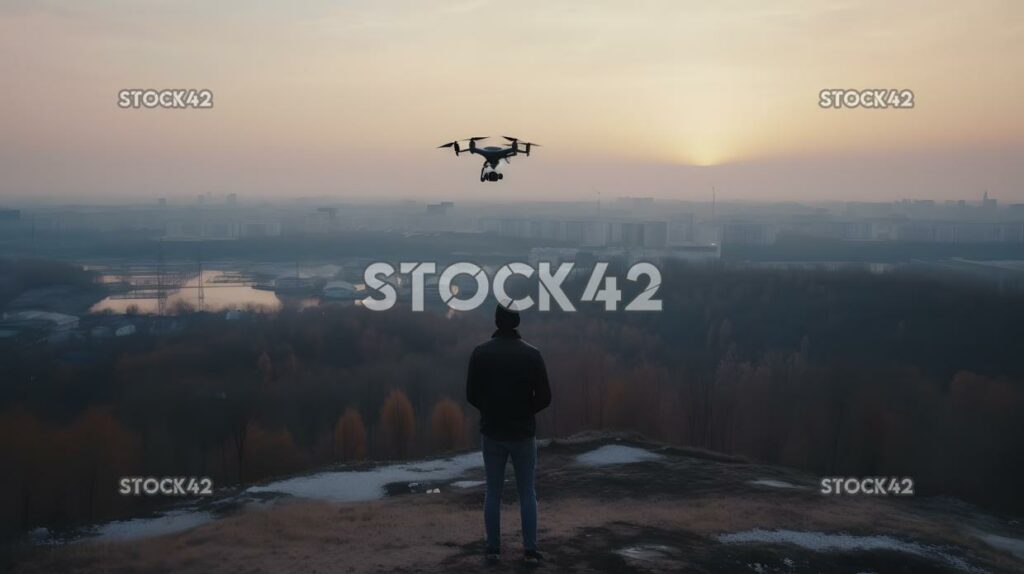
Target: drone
[(492, 154)]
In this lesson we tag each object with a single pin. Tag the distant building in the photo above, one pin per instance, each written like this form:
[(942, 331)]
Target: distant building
[(635, 202), (573, 231), (745, 233), (260, 229), (681, 230), (987, 202), (693, 253), (632, 234), (221, 227), (655, 234), (969, 232), (440, 208), (596, 233), (1011, 232)]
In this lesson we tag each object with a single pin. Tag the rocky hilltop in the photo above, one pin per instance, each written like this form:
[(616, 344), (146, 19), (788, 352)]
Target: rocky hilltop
[(608, 503)]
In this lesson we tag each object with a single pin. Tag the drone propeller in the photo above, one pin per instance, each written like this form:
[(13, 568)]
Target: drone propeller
[(516, 141), (472, 139)]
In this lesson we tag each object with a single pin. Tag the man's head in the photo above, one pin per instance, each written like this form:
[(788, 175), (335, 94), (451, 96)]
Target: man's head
[(505, 319)]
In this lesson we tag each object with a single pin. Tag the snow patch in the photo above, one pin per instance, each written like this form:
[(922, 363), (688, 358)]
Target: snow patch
[(616, 454), (646, 552), (468, 483), (772, 483), (655, 557), (334, 486), (167, 523), (1014, 546), (824, 542), (363, 485)]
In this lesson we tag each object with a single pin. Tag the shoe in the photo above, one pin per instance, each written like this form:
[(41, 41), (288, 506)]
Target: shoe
[(493, 556), (532, 558)]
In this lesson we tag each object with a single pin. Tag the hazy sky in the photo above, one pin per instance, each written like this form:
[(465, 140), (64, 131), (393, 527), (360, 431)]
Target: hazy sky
[(665, 98)]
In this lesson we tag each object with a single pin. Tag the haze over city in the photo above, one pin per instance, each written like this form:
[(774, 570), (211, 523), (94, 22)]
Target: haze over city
[(656, 98)]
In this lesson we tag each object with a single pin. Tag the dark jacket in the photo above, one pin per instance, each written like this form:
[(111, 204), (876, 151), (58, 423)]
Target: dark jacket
[(508, 383)]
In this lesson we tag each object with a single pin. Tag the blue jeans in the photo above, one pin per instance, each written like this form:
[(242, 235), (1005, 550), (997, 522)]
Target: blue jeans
[(524, 463)]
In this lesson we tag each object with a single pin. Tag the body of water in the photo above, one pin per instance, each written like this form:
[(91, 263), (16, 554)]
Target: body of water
[(221, 292)]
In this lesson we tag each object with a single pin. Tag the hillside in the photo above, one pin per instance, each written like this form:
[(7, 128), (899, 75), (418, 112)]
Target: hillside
[(607, 504)]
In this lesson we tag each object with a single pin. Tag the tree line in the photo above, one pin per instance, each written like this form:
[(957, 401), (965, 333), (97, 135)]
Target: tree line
[(839, 373)]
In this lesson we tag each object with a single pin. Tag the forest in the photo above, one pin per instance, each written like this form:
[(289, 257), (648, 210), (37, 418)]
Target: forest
[(843, 373)]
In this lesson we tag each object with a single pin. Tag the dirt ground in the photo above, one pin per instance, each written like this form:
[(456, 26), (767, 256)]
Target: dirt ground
[(650, 516)]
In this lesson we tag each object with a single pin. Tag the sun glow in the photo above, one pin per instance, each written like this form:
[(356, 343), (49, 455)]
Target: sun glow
[(312, 100)]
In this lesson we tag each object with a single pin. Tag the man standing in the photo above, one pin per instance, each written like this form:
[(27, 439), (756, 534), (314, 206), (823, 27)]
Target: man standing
[(508, 383)]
